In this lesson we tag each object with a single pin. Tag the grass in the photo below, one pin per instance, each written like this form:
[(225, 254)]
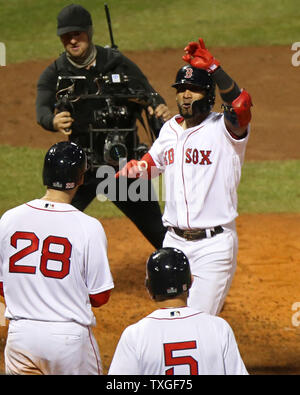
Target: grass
[(20, 175), (266, 187), (28, 27), (270, 187)]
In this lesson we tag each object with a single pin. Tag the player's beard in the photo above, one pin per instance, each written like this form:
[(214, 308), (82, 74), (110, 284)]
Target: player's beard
[(190, 112), (185, 113), (193, 115)]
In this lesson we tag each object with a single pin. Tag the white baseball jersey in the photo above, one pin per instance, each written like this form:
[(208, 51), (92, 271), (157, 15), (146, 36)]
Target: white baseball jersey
[(52, 256), (202, 170), (178, 341)]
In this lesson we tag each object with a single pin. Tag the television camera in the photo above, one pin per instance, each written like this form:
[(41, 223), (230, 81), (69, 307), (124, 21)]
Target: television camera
[(112, 115)]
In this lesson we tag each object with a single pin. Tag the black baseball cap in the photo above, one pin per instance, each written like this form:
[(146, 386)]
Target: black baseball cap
[(73, 18)]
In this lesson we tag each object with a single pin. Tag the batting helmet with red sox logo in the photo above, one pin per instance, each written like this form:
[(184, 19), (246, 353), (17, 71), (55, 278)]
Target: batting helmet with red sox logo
[(168, 273), (189, 76), (64, 164)]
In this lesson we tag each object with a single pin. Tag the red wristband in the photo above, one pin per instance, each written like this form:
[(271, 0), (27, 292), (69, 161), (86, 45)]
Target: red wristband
[(150, 165)]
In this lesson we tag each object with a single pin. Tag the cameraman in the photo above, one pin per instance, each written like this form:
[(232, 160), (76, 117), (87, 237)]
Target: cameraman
[(83, 58)]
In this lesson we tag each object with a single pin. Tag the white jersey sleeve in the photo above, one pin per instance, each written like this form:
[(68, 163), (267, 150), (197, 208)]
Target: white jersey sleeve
[(234, 364), (125, 359), (98, 277), (157, 150)]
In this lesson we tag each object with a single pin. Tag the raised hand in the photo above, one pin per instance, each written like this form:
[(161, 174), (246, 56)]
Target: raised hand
[(198, 56)]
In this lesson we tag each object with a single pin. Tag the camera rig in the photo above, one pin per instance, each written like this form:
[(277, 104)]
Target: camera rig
[(112, 115)]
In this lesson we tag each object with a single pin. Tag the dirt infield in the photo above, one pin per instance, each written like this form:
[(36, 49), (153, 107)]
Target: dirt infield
[(265, 287)]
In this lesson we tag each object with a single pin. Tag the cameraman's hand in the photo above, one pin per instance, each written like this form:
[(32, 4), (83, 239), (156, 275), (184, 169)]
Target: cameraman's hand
[(161, 111), (62, 122)]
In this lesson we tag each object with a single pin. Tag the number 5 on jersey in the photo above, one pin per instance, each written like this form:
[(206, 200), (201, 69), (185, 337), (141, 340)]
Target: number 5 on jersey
[(171, 360)]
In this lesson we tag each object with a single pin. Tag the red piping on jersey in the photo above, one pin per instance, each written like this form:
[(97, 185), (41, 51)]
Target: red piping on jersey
[(175, 318), (174, 131), (93, 347), (1, 289), (52, 211), (185, 198)]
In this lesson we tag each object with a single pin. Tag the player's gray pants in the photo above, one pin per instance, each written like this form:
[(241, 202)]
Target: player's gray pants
[(213, 264), (51, 348)]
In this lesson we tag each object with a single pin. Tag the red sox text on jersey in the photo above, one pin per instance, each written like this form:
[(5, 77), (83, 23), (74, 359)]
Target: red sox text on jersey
[(192, 155)]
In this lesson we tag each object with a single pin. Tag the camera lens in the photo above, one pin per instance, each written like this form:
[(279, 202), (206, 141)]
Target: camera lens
[(114, 149), (117, 152), (141, 150)]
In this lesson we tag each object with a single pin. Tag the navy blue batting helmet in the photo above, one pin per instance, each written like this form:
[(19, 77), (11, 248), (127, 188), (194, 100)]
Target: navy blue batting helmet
[(168, 273), (201, 79), (64, 164)]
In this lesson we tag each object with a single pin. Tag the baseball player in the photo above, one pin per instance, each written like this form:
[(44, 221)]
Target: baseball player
[(201, 153), (175, 339), (53, 269)]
